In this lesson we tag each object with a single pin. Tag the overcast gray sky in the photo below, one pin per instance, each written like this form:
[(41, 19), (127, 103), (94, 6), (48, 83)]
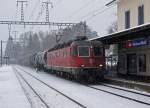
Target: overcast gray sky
[(63, 11)]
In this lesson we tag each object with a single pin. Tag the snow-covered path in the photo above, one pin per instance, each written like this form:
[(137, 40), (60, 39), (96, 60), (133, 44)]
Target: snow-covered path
[(89, 97), (11, 93)]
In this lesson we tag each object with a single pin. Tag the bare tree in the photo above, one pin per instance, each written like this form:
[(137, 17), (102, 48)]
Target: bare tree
[(112, 28), (113, 50)]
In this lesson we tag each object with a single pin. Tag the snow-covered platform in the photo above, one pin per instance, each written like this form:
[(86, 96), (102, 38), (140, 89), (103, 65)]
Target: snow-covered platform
[(11, 93), (129, 83)]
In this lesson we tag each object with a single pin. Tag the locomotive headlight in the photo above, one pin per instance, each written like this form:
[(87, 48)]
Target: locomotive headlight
[(100, 65), (82, 66)]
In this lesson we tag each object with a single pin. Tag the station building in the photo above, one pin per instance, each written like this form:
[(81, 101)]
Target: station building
[(133, 37), (132, 13)]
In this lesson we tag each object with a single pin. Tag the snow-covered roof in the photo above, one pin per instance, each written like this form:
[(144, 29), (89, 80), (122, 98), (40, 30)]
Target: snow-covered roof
[(123, 32)]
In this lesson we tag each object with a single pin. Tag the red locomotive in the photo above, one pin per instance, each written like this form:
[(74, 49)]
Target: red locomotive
[(77, 59)]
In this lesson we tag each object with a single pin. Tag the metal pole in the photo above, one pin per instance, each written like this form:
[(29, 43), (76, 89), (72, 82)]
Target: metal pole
[(1, 52), (22, 12), (22, 9), (9, 29), (85, 28), (47, 13), (47, 9), (15, 34)]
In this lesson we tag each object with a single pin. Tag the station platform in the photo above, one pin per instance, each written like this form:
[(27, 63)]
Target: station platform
[(128, 83), (11, 93)]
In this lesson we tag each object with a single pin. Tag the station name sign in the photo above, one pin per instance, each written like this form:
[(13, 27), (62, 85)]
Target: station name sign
[(136, 43)]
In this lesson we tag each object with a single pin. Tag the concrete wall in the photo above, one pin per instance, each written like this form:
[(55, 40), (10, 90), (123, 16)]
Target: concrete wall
[(132, 5)]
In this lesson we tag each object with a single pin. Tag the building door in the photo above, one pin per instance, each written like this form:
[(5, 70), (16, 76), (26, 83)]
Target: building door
[(131, 64)]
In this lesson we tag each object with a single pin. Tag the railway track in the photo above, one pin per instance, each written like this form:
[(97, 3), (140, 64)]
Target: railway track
[(119, 95), (23, 88), (73, 100), (102, 90), (35, 92), (126, 90)]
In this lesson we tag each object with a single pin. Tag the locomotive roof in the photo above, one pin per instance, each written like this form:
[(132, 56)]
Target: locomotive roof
[(59, 46), (63, 45), (87, 43), (72, 43)]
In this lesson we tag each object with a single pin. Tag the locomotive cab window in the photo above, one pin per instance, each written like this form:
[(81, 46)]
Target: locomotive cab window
[(74, 51), (83, 51), (98, 51)]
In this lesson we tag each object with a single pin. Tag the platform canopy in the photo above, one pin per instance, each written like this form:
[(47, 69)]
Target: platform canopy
[(128, 34)]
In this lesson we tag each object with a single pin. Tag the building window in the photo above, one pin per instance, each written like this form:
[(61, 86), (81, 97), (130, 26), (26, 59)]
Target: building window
[(127, 19), (141, 15), (142, 63)]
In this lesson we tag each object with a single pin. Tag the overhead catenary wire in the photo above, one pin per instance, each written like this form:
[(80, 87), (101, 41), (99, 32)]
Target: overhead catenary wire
[(35, 7), (58, 2), (42, 10), (93, 11), (32, 13), (90, 15), (39, 15), (80, 9), (86, 17), (101, 11)]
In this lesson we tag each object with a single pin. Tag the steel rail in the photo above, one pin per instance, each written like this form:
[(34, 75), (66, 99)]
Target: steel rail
[(47, 106), (142, 94), (23, 89), (115, 94), (78, 103)]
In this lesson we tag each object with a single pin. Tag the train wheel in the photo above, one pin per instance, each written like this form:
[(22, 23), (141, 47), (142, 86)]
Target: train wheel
[(76, 77), (60, 73), (71, 77), (100, 78)]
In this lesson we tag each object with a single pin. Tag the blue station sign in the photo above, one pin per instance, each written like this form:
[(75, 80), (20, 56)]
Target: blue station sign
[(136, 42), (140, 42)]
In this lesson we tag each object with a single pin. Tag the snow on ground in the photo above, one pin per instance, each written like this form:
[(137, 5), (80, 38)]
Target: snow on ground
[(11, 93), (51, 97), (34, 100), (87, 96), (130, 89), (124, 93), (128, 81)]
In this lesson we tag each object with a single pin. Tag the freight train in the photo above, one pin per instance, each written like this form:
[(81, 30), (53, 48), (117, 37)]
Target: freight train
[(79, 60)]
